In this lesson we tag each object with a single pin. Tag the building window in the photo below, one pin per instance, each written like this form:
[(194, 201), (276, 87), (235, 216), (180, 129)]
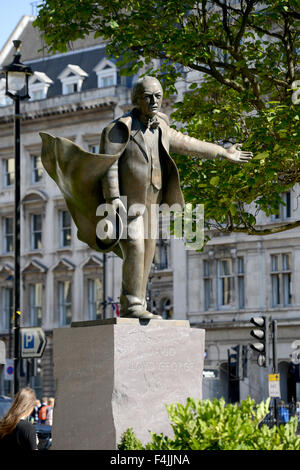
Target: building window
[(36, 169), (65, 229), (64, 303), (8, 234), (94, 148), (241, 282), (72, 78), (107, 80), (285, 209), (230, 283), (37, 95), (225, 283), (208, 285), (39, 83), (95, 297), (281, 278), (71, 88), (161, 254), (107, 74), (36, 232), (7, 307), (35, 303), (8, 172)]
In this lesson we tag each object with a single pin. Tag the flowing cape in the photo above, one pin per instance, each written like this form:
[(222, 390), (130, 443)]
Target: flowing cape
[(78, 175)]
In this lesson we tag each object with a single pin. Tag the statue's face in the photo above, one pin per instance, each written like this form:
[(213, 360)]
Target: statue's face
[(149, 101)]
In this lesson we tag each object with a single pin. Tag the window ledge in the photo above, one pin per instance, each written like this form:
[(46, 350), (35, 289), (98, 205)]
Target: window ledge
[(64, 248), (34, 252)]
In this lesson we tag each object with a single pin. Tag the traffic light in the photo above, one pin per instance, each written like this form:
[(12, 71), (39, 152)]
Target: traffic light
[(37, 367), (261, 333)]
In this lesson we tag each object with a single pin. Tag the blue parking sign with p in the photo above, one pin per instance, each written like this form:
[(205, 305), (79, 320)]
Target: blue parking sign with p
[(33, 342), (28, 341)]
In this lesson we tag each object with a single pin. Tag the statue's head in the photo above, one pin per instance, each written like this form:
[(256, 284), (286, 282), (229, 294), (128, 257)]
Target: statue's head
[(147, 95)]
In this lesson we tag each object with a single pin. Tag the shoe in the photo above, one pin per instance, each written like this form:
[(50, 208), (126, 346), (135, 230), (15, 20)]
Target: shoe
[(141, 314), (133, 307)]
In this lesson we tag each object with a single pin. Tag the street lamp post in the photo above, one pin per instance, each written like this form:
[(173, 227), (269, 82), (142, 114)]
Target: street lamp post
[(16, 79)]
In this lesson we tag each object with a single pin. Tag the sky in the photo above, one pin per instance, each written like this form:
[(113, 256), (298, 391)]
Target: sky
[(10, 16)]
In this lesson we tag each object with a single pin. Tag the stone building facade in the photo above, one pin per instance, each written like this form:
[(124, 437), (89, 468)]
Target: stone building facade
[(75, 95)]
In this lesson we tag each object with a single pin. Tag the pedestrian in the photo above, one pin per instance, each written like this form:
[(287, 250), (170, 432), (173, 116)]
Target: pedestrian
[(298, 415), (43, 410), (35, 414), (298, 410), (283, 413), (16, 433), (49, 419)]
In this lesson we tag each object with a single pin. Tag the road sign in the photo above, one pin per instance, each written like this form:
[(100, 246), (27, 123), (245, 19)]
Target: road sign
[(9, 369), (274, 386), (33, 342)]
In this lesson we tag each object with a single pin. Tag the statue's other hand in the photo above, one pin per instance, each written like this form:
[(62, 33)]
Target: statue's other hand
[(235, 154), (117, 205)]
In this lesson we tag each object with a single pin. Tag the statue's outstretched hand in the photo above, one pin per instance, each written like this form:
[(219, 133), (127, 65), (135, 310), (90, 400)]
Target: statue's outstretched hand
[(235, 154)]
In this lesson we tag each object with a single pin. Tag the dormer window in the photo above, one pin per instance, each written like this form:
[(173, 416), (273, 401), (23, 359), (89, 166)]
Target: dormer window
[(39, 83), (72, 78), (107, 74)]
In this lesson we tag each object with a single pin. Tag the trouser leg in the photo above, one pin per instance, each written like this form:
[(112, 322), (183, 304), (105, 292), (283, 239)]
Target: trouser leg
[(151, 219), (149, 249), (138, 252), (133, 265)]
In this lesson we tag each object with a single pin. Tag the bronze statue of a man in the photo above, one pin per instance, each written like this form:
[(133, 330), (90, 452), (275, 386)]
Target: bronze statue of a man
[(134, 162)]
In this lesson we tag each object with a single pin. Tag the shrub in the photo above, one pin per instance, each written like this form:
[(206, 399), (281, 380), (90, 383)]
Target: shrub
[(215, 425), (129, 441)]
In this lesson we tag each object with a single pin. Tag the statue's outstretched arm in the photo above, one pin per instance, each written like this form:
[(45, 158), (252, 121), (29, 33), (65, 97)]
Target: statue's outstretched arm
[(185, 145)]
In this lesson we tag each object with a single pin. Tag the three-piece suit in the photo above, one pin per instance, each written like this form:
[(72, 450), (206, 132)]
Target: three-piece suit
[(134, 161)]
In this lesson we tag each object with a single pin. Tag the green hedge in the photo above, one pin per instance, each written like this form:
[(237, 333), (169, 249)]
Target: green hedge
[(215, 425)]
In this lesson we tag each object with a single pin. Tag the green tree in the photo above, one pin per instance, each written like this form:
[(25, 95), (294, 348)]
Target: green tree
[(246, 52)]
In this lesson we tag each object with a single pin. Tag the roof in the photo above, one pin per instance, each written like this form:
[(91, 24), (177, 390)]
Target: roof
[(83, 56), (33, 45), (53, 67)]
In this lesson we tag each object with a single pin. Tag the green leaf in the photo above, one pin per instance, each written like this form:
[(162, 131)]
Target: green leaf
[(261, 156), (214, 181)]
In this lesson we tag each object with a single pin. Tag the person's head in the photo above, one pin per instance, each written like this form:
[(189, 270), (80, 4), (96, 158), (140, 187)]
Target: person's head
[(22, 407), (45, 400), (147, 95), (51, 402)]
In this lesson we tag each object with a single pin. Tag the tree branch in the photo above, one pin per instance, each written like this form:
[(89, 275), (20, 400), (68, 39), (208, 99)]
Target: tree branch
[(268, 231), (251, 230), (245, 17), (289, 47)]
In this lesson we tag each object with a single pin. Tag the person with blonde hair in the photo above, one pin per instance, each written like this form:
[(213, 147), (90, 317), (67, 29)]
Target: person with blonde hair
[(15, 432), (49, 419)]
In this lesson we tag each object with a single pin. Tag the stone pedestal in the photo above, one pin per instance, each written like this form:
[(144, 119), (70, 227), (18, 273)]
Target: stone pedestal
[(119, 373)]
